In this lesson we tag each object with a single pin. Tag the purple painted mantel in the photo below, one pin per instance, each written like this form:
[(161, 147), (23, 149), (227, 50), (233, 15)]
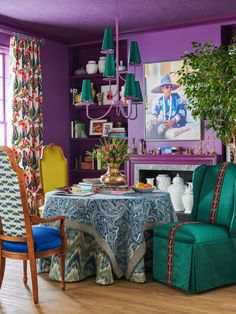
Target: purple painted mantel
[(155, 162)]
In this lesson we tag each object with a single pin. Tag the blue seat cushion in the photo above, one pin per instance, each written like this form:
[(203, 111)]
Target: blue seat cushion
[(194, 233), (45, 239)]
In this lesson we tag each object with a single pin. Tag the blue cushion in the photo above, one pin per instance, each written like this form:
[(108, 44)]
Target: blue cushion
[(45, 239)]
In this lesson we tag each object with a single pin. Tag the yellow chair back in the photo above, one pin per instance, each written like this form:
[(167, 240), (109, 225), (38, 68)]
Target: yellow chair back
[(53, 168)]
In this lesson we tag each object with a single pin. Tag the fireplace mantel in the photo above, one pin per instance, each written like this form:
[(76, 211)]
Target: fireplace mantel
[(156, 162)]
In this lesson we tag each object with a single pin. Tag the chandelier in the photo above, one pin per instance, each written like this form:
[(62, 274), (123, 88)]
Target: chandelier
[(132, 91)]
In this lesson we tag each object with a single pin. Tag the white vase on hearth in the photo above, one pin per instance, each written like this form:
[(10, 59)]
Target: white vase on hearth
[(176, 190), (187, 198)]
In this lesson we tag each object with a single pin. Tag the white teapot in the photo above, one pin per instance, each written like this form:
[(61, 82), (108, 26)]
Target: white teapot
[(176, 190)]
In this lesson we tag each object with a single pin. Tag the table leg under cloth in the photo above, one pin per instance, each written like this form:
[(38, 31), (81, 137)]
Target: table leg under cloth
[(85, 258)]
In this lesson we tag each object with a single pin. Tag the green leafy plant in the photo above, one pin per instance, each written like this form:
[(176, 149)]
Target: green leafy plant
[(209, 77), (114, 150)]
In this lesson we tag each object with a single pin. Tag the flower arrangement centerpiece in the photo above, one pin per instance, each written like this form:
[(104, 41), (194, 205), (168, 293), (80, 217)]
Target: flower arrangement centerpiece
[(113, 152)]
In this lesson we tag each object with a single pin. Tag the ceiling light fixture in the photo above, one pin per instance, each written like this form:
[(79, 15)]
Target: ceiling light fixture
[(132, 91)]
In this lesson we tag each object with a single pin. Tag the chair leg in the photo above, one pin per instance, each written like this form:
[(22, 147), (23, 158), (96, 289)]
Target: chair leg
[(2, 269), (34, 278), (62, 269), (25, 278)]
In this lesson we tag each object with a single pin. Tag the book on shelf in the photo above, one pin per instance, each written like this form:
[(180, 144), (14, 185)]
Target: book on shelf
[(117, 132), (78, 129)]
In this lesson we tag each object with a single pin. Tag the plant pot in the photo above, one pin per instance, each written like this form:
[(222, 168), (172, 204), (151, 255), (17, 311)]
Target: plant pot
[(113, 176)]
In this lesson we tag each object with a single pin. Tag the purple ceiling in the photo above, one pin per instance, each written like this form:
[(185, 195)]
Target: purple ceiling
[(74, 21)]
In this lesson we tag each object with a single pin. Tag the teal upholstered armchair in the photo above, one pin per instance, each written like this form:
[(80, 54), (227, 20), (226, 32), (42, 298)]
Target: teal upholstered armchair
[(201, 254)]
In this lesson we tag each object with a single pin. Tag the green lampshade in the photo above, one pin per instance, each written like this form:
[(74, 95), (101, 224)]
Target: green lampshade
[(110, 70), (130, 87), (134, 55), (107, 44), (86, 94), (138, 93)]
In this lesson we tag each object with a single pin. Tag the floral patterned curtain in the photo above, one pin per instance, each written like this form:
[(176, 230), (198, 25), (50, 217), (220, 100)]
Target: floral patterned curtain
[(27, 121)]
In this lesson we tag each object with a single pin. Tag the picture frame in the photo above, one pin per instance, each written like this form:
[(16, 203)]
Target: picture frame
[(96, 126), (106, 127), (107, 93), (167, 117)]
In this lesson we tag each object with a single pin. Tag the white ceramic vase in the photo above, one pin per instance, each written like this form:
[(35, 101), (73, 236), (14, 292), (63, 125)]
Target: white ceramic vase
[(150, 180), (187, 198), (163, 181), (101, 64), (176, 190), (91, 67)]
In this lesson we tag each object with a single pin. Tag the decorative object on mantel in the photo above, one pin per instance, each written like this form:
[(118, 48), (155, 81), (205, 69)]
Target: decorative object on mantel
[(132, 91), (134, 148), (212, 69), (176, 190), (187, 198), (114, 152)]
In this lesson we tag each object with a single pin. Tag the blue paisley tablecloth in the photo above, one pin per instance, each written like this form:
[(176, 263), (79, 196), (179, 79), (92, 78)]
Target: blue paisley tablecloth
[(111, 228)]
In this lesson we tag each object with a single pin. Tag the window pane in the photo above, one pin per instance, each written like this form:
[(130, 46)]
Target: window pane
[(1, 111), (2, 134), (1, 65)]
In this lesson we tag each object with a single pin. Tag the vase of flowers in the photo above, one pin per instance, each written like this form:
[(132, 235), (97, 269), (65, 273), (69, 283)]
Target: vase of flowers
[(114, 152)]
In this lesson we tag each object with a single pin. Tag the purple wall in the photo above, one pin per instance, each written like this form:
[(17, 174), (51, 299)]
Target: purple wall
[(55, 69), (167, 46)]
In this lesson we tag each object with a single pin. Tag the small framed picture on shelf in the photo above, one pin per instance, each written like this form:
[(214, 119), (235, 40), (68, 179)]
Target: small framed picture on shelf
[(108, 93), (106, 128), (96, 127)]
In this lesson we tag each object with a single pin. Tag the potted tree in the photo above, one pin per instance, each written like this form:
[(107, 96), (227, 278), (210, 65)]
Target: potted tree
[(209, 76)]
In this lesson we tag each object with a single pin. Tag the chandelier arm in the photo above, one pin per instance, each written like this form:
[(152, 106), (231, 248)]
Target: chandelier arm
[(129, 115), (136, 112), (122, 78), (97, 118)]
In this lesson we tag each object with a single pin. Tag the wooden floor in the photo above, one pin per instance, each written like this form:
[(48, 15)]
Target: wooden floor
[(122, 297)]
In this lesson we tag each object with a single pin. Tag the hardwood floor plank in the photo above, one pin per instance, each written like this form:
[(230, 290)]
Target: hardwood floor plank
[(124, 297)]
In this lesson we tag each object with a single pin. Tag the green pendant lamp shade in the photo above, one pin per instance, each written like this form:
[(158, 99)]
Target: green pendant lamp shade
[(138, 93), (109, 70), (134, 55), (130, 87), (86, 91), (107, 44)]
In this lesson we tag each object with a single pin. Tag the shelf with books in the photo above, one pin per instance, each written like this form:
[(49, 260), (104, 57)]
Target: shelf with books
[(80, 144)]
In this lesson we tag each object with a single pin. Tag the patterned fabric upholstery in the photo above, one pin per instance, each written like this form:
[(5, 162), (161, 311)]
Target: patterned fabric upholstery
[(11, 211)]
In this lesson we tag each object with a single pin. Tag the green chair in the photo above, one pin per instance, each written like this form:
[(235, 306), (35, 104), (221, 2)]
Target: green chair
[(200, 254)]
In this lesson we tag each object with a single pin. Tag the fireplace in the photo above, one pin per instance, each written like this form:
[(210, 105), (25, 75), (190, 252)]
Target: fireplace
[(149, 166)]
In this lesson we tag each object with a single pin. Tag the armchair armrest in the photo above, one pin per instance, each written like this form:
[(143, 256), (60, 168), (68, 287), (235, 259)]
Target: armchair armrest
[(35, 220)]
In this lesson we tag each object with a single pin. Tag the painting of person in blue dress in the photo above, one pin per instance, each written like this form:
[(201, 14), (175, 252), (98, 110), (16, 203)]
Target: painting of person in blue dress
[(168, 111)]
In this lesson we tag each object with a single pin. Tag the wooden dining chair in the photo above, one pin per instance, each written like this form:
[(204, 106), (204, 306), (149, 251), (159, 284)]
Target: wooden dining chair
[(20, 238)]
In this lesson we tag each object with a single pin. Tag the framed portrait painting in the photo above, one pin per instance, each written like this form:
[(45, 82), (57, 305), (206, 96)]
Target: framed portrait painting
[(167, 117)]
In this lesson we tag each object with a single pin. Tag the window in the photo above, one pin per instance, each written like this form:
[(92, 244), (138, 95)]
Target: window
[(5, 111)]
